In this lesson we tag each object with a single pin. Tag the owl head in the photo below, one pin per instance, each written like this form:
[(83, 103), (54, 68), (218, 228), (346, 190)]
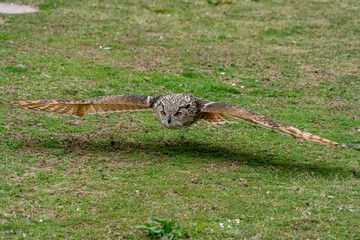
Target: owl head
[(175, 112), (171, 117)]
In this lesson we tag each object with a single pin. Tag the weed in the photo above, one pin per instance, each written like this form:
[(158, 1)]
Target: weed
[(165, 229)]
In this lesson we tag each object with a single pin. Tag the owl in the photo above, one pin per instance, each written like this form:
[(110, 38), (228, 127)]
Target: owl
[(174, 111)]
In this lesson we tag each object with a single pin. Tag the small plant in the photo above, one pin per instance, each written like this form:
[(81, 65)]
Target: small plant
[(168, 229)]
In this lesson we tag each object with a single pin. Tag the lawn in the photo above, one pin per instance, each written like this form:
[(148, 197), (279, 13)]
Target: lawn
[(99, 176)]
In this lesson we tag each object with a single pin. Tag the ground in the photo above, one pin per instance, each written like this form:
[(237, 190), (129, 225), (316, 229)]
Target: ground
[(99, 176)]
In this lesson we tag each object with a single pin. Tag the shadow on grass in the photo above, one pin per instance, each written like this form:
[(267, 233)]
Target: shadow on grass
[(192, 150)]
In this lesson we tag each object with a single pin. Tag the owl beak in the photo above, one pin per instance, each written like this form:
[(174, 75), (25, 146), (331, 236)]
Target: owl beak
[(169, 120)]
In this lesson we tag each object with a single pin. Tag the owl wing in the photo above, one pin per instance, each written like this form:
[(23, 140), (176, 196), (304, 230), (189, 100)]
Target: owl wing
[(88, 106), (216, 118), (258, 119)]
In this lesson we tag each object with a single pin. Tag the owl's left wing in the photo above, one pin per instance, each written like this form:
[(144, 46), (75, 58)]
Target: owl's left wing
[(81, 107), (258, 119)]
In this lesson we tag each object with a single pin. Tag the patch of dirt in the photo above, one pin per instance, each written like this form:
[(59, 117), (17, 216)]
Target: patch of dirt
[(12, 8), (160, 59)]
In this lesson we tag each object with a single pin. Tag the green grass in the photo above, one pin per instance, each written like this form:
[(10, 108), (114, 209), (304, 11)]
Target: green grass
[(100, 176)]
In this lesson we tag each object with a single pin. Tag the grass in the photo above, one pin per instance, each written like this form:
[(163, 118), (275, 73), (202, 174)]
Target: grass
[(164, 229), (100, 176)]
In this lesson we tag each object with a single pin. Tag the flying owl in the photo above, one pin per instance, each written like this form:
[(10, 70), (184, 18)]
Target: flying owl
[(174, 111)]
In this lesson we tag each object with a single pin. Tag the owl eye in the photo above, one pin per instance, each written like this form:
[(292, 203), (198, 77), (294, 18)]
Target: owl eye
[(163, 113), (178, 114)]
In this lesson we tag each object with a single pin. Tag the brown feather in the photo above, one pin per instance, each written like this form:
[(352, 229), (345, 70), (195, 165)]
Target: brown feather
[(92, 105), (258, 119), (216, 118)]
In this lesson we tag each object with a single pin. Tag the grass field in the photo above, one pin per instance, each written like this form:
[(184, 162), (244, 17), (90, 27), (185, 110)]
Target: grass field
[(99, 176)]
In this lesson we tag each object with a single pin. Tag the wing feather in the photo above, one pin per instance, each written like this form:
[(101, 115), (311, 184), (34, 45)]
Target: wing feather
[(91, 105), (94, 108), (259, 119), (216, 118)]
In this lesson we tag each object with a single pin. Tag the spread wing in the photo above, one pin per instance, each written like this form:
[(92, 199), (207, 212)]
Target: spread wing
[(88, 106), (258, 119)]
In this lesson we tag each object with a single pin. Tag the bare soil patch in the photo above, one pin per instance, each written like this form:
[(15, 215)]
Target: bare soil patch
[(12, 8)]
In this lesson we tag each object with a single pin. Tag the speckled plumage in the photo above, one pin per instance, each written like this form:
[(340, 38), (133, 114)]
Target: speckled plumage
[(172, 103), (174, 111)]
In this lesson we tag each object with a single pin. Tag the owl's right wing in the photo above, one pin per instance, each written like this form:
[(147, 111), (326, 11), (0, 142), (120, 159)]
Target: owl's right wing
[(259, 119), (81, 107)]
